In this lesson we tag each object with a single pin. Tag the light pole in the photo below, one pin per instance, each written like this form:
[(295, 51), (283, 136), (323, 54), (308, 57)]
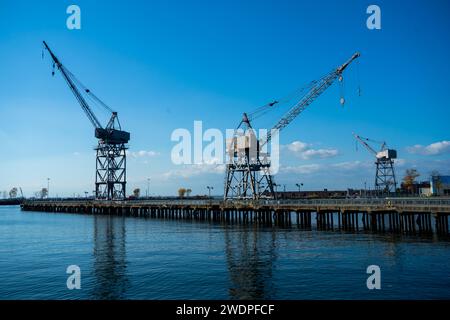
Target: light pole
[(48, 188), (299, 185), (209, 193), (209, 190), (86, 194)]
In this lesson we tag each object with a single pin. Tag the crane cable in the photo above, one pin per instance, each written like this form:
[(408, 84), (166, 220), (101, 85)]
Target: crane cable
[(341, 90), (358, 78), (381, 143), (92, 97), (88, 93), (296, 94)]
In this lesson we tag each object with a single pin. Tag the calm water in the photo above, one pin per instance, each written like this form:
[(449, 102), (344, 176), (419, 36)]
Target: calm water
[(135, 258)]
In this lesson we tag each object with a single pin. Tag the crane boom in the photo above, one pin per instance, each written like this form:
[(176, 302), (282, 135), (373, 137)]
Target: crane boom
[(364, 143), (318, 87), (68, 76)]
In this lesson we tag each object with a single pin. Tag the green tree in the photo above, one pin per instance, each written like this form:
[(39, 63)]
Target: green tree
[(137, 193)]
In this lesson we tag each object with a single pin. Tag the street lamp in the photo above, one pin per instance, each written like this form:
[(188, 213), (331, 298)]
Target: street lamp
[(48, 188), (209, 193), (299, 186), (209, 190)]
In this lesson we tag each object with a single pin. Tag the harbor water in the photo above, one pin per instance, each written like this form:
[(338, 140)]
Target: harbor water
[(139, 258)]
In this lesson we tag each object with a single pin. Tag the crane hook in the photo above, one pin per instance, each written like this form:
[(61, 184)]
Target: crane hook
[(341, 81), (43, 52), (358, 78)]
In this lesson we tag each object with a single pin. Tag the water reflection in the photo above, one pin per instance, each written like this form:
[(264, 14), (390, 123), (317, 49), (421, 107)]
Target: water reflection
[(110, 266), (250, 255)]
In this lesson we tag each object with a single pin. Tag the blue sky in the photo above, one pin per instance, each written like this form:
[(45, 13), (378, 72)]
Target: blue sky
[(164, 64)]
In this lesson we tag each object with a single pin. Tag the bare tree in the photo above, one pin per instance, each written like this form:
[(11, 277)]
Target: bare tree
[(435, 173), (181, 192), (43, 193), (13, 193), (410, 178)]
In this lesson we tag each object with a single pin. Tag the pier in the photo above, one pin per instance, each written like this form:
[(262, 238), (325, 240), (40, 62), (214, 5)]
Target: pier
[(400, 215)]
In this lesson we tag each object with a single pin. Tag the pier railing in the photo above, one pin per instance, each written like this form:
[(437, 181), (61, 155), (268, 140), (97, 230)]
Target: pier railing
[(432, 204)]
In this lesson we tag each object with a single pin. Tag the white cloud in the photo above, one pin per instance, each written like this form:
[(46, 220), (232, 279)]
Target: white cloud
[(306, 152), (327, 168), (142, 154), (297, 146), (302, 169), (436, 148), (352, 165), (194, 170), (319, 153)]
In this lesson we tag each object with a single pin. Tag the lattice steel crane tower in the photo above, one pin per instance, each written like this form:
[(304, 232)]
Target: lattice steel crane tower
[(248, 173), (385, 181), (110, 168)]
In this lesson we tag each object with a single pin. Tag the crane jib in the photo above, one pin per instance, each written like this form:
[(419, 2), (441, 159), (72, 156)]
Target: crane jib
[(109, 134), (316, 90)]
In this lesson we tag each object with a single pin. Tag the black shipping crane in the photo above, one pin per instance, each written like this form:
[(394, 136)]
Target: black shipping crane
[(110, 177), (248, 173)]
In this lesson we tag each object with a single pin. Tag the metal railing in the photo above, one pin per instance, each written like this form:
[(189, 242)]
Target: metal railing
[(431, 202)]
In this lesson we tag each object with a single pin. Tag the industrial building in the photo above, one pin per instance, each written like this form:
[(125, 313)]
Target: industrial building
[(436, 186), (440, 185)]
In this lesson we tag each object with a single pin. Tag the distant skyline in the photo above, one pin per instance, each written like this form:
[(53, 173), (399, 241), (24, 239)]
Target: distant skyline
[(165, 64)]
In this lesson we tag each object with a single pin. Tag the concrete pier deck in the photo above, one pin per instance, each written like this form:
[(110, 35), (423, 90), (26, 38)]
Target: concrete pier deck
[(404, 215)]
